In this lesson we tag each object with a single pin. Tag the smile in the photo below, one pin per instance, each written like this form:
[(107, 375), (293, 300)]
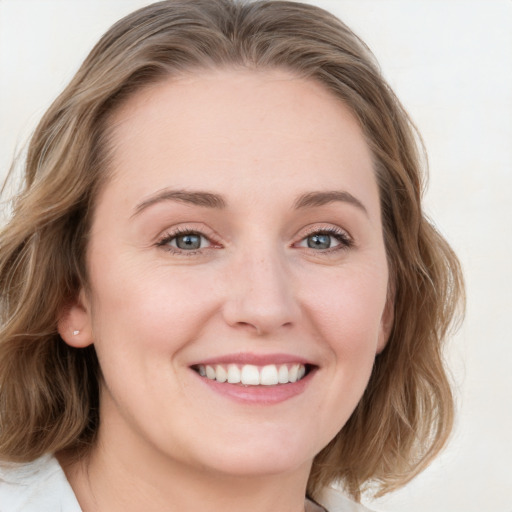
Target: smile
[(252, 375)]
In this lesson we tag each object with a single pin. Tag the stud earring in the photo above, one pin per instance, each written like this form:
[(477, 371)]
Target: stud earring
[(75, 333)]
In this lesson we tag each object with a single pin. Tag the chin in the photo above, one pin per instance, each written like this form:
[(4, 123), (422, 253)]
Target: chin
[(256, 456), (257, 466)]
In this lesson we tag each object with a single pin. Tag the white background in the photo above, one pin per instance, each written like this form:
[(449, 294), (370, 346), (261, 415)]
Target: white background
[(450, 62)]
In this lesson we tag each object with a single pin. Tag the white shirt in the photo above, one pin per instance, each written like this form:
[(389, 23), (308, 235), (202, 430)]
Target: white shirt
[(41, 486)]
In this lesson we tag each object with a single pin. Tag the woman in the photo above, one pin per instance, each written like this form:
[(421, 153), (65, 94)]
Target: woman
[(218, 287)]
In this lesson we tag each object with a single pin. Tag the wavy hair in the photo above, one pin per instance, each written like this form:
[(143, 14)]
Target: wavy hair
[(49, 391)]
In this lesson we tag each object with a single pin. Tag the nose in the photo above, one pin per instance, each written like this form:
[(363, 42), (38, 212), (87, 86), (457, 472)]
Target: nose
[(261, 295)]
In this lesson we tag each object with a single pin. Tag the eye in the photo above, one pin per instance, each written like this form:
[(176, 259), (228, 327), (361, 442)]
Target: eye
[(326, 239), (321, 241), (188, 242), (185, 241)]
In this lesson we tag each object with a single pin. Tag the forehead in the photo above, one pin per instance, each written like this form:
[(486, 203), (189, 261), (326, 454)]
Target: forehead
[(221, 129)]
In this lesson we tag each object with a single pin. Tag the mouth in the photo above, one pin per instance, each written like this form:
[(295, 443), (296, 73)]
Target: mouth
[(254, 375)]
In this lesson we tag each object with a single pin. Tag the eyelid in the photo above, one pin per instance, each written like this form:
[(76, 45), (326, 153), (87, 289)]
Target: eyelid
[(323, 227)]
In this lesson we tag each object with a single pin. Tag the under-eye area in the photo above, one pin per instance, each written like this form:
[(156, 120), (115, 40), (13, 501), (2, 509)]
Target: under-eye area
[(253, 375)]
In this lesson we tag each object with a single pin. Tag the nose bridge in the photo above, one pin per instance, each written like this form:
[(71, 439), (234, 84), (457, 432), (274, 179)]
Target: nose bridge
[(261, 293)]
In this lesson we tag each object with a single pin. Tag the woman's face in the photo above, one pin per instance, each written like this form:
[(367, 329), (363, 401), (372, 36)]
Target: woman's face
[(239, 237)]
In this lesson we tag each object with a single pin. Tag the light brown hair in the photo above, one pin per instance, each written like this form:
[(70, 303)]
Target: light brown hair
[(49, 391)]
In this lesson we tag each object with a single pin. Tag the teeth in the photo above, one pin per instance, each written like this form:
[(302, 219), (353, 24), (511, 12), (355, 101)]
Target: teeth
[(282, 376), (251, 375), (221, 375), (293, 373), (269, 375), (233, 374)]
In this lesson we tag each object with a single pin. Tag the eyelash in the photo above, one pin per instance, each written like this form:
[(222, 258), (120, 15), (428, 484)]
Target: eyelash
[(345, 241)]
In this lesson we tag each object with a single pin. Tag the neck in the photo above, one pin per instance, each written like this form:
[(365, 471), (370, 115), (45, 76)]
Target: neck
[(115, 478)]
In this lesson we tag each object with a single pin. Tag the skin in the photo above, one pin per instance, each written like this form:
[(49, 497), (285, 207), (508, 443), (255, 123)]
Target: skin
[(261, 140)]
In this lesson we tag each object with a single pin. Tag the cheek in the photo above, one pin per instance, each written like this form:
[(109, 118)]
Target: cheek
[(348, 312), (154, 310), (346, 317)]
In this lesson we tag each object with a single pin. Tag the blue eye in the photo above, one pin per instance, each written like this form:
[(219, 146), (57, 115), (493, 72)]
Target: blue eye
[(323, 240), (319, 241), (186, 241)]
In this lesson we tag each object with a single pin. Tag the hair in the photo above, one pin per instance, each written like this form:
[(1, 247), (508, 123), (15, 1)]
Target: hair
[(49, 391)]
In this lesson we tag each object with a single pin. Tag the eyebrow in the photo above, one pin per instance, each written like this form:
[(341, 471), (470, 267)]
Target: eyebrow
[(210, 200), (312, 199), (198, 198)]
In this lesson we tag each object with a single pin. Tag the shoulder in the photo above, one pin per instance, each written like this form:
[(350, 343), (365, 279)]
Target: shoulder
[(38, 486), (335, 501)]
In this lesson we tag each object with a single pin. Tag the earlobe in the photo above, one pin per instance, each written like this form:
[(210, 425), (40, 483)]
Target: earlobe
[(74, 323)]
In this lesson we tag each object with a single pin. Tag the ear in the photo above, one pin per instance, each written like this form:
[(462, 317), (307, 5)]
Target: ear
[(74, 323), (386, 322)]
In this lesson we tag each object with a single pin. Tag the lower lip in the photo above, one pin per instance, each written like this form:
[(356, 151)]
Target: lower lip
[(265, 395)]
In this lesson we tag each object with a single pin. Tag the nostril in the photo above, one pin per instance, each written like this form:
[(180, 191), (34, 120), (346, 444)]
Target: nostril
[(261, 328)]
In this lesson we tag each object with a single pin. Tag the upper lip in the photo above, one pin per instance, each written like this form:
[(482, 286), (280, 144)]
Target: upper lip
[(254, 359)]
